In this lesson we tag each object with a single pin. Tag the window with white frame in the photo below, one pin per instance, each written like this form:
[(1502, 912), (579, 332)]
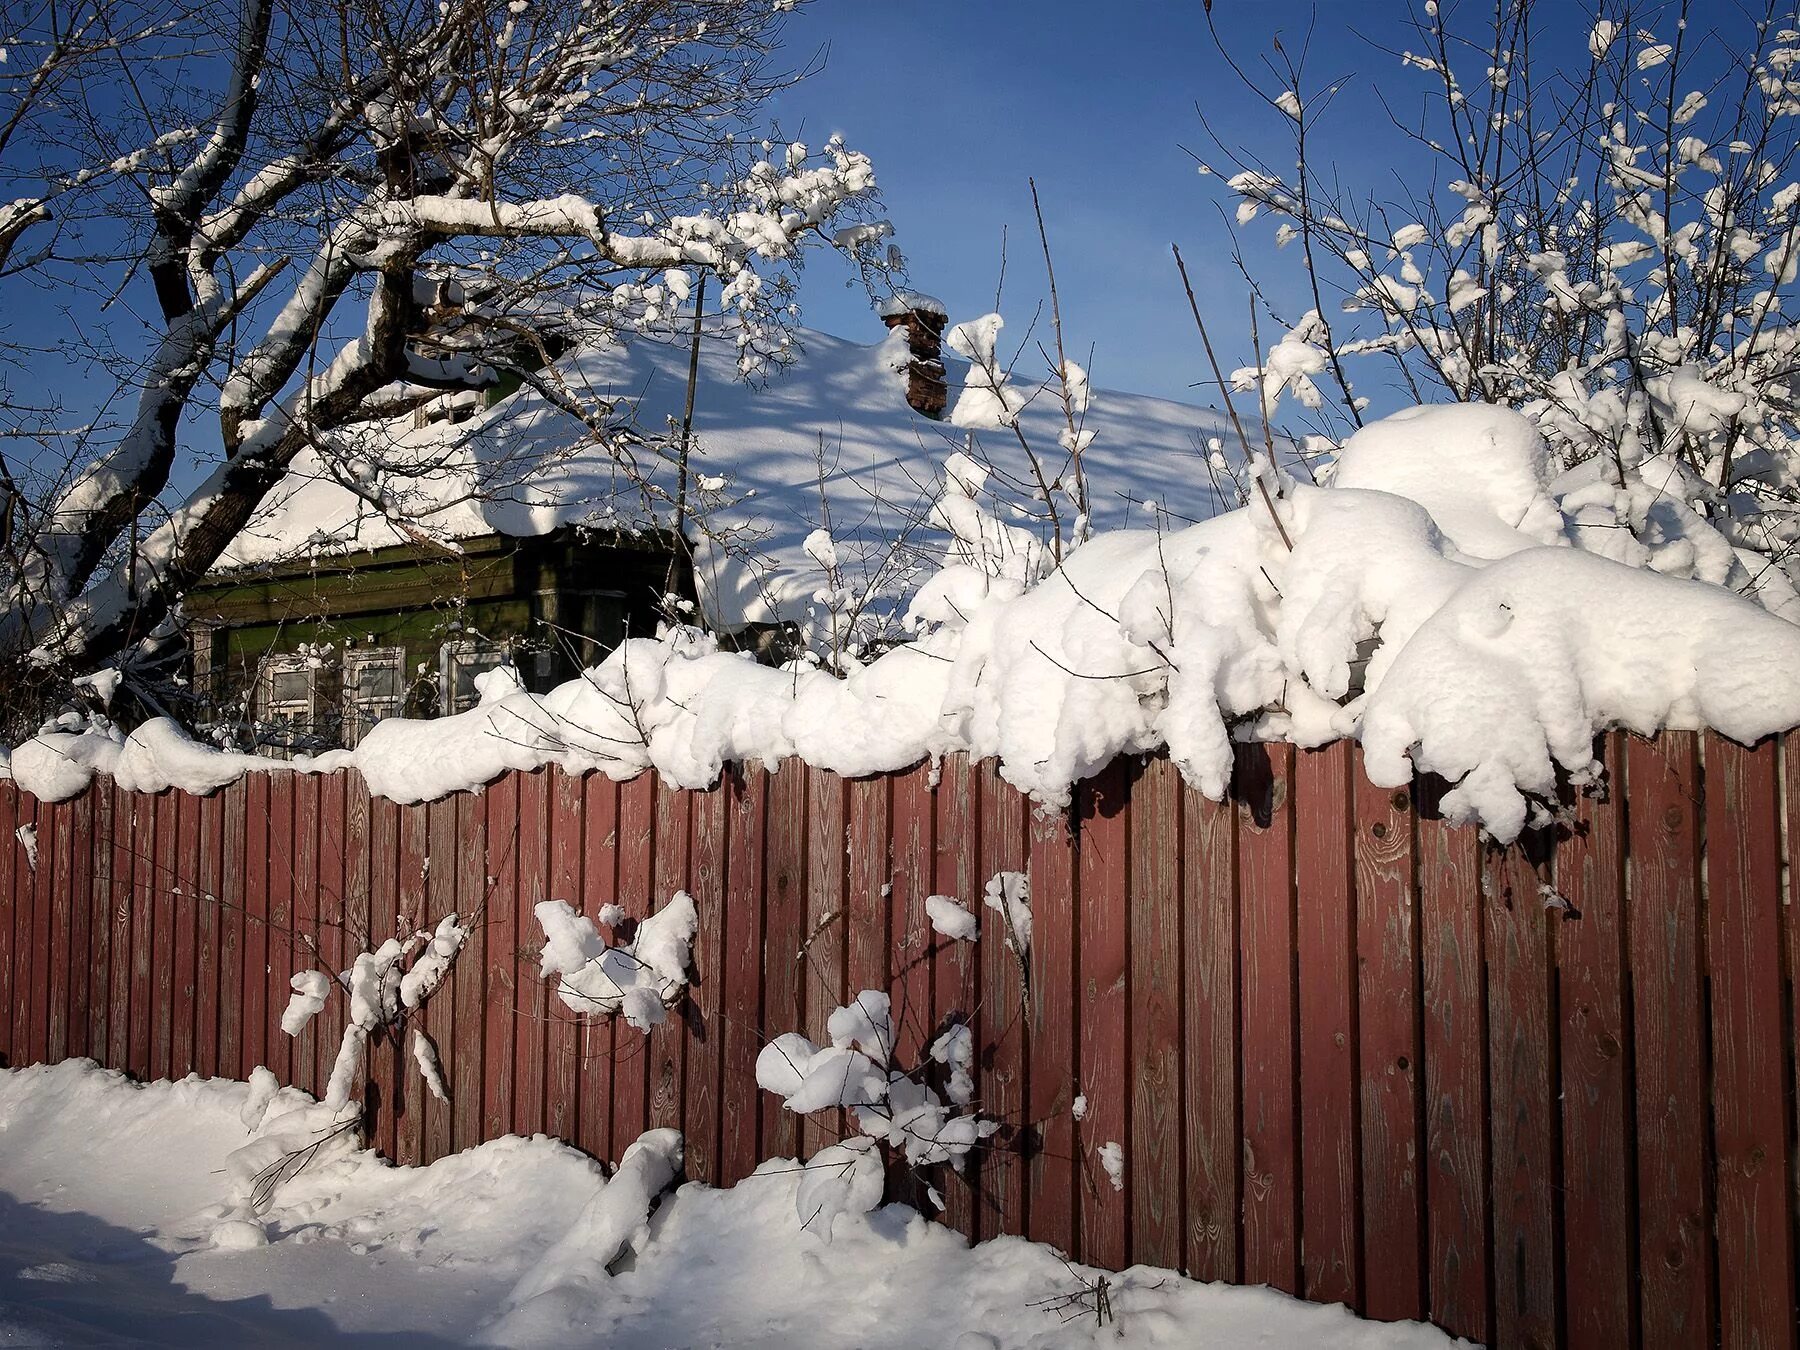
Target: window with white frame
[(459, 663), (374, 688), (288, 701)]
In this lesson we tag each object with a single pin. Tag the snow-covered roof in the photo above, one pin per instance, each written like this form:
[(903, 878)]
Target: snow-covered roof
[(834, 423)]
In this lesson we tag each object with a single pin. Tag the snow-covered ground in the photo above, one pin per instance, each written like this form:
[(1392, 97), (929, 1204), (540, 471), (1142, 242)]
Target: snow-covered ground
[(119, 1224)]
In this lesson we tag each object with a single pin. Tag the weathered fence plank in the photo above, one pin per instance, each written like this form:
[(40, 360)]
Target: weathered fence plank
[(1676, 1295), (1212, 1131), (914, 831), (456, 864), (1754, 1220), (740, 1102), (1524, 1163), (1103, 887), (1050, 1170), (1324, 938), (1595, 1058), (1269, 1017), (784, 937), (701, 1019), (530, 847), (1154, 1151), (826, 945), (563, 1030), (599, 887), (1456, 1105), (665, 1047), (11, 859), (1390, 1048), (1002, 1068), (955, 975)]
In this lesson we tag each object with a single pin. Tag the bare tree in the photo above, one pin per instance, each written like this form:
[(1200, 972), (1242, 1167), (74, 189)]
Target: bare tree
[(329, 212)]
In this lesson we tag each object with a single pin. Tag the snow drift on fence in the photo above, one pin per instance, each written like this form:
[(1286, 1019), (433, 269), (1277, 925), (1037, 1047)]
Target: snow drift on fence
[(1442, 599)]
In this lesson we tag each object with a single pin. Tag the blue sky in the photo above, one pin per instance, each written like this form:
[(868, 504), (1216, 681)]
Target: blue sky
[(960, 103)]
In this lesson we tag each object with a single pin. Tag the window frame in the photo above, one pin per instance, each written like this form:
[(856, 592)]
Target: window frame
[(450, 654), (361, 712)]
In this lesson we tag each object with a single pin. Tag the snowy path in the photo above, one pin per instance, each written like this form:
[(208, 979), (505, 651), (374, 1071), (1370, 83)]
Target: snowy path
[(112, 1197)]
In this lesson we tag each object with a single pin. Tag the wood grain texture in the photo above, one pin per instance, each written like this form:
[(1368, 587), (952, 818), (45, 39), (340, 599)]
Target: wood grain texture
[(334, 954), (955, 974), (1451, 938), (413, 830), (701, 1014), (563, 1029), (1669, 1031), (637, 893), (1270, 1060), (1154, 1152), (1599, 1219), (12, 855), (913, 850), (784, 934), (50, 940), (209, 893), (258, 817), (1754, 1220), (75, 859), (1390, 1037), (280, 952), (531, 849), (741, 1106), (303, 920), (1050, 1148), (1003, 1057), (599, 887), (100, 941), (822, 968), (666, 1045), (1524, 1164), (162, 881), (1104, 1213), (452, 880), (1324, 936), (1212, 1132)]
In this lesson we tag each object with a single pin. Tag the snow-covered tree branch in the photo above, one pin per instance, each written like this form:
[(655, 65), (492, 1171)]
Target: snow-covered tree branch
[(324, 190)]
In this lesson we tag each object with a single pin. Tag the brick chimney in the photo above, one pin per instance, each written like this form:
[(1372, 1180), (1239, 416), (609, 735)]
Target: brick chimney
[(924, 319)]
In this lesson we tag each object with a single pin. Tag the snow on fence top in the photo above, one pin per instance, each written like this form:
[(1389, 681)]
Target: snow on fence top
[(1442, 600)]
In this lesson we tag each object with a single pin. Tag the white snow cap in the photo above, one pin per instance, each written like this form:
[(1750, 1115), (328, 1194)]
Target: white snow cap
[(910, 302), (1438, 599)]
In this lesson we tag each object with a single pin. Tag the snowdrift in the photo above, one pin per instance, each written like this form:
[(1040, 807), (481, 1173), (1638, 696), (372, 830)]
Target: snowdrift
[(1442, 600)]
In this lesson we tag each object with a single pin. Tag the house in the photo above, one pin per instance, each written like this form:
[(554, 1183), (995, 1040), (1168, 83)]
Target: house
[(514, 531)]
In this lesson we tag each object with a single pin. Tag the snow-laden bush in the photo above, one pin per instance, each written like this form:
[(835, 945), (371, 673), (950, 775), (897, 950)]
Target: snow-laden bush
[(383, 988), (1608, 243), (641, 978), (897, 1107)]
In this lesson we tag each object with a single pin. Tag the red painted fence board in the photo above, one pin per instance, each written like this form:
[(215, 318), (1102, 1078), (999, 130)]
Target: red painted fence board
[(1543, 1096)]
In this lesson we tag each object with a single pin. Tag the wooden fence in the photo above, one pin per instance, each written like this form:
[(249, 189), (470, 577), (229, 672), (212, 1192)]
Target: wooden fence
[(1542, 1096)]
